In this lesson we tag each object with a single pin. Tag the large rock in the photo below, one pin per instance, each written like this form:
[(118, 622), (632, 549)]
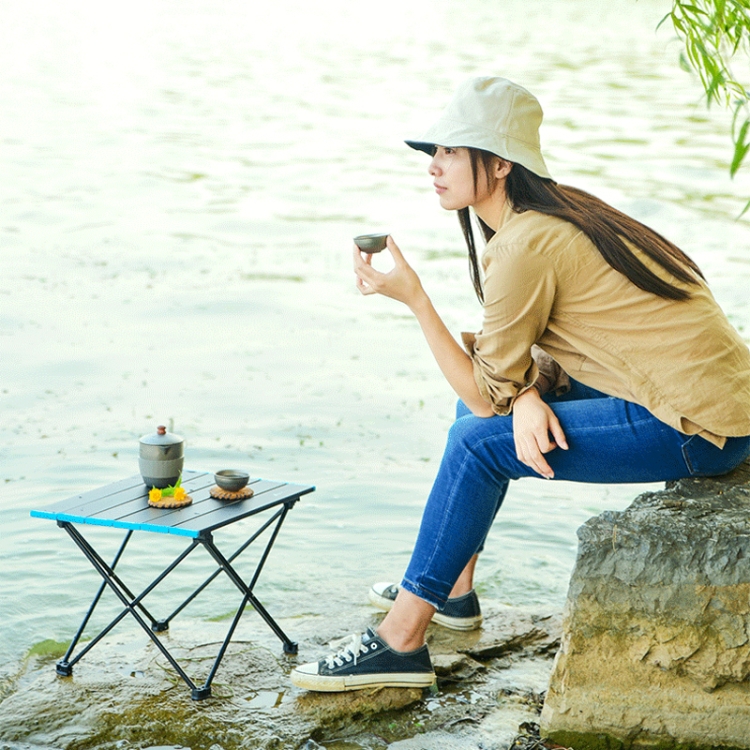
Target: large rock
[(656, 646)]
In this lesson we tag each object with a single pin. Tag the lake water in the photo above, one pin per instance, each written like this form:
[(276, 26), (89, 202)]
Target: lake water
[(181, 182)]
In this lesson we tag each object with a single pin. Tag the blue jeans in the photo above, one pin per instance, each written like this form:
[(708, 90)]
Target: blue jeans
[(610, 441)]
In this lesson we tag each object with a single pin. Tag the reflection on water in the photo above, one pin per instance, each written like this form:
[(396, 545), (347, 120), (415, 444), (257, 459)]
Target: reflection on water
[(181, 185)]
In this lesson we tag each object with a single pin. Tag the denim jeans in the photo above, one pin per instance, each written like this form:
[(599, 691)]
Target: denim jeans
[(610, 441)]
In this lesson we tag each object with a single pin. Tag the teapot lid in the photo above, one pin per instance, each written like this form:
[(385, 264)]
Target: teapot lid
[(161, 437)]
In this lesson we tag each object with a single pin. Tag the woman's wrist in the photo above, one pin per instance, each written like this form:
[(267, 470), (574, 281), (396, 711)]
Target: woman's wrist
[(529, 393)]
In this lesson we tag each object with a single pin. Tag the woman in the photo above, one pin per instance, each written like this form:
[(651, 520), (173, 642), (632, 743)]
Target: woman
[(603, 358)]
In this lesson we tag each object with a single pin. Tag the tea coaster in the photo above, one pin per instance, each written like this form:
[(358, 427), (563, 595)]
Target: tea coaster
[(170, 502), (221, 494)]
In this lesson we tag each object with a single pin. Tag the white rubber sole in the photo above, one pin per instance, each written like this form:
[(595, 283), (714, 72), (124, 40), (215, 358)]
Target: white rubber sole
[(332, 684), (452, 623)]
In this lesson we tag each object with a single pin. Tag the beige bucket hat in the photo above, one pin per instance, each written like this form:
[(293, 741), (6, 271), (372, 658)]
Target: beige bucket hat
[(492, 114)]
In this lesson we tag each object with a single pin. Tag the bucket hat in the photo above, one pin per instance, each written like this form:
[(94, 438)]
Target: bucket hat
[(492, 114)]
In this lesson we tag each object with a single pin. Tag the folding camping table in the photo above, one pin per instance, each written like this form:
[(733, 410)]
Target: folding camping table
[(124, 505)]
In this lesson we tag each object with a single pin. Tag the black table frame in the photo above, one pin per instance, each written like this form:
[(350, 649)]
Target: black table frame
[(125, 505)]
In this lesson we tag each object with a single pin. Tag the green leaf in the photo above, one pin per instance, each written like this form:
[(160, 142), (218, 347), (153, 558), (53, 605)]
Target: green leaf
[(666, 16), (169, 491), (717, 84), (715, 35), (740, 148), (678, 24), (695, 10)]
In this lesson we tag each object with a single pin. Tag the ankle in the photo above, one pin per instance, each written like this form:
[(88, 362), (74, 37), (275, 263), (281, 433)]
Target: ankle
[(460, 589), (465, 582), (400, 641), (404, 627)]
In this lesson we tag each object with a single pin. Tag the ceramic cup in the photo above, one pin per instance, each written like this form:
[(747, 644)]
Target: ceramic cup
[(371, 243), (231, 480)]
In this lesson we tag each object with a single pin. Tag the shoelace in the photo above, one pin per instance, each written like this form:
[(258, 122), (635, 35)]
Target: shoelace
[(352, 648)]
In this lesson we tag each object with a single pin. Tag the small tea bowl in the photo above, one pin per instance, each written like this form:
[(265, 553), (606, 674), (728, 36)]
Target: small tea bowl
[(231, 480), (371, 243)]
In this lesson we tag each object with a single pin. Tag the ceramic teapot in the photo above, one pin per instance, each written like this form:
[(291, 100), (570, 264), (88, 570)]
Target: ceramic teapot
[(161, 458)]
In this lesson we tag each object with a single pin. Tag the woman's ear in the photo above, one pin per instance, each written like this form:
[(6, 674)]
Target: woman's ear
[(502, 169)]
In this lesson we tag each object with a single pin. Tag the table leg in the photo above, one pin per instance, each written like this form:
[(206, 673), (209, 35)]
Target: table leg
[(225, 565), (131, 605), (165, 622), (64, 667), (290, 647)]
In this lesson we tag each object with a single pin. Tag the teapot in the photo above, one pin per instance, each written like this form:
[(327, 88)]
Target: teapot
[(161, 458)]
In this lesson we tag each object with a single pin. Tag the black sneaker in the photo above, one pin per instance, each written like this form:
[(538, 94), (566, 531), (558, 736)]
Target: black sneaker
[(460, 613), (366, 661)]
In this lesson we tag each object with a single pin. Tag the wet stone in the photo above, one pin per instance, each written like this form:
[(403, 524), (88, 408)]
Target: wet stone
[(456, 666), (124, 695), (517, 630), (438, 741)]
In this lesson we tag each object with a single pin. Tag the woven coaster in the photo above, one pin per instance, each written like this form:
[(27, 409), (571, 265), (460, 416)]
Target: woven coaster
[(221, 494), (170, 502)]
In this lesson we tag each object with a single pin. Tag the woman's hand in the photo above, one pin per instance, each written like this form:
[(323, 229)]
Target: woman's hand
[(400, 283), (533, 421)]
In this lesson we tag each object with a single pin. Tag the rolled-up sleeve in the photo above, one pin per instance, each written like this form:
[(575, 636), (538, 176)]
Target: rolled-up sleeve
[(519, 291)]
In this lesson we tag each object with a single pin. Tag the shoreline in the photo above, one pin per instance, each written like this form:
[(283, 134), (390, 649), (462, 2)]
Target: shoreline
[(490, 682)]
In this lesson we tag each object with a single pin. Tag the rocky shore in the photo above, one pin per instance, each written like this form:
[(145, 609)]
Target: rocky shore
[(124, 695)]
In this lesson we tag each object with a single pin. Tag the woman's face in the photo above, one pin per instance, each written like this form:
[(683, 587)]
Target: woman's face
[(453, 179)]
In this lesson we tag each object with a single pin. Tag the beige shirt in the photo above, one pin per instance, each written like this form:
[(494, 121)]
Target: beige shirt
[(545, 283)]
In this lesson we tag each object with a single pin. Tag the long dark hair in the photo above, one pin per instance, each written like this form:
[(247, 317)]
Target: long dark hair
[(605, 226)]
